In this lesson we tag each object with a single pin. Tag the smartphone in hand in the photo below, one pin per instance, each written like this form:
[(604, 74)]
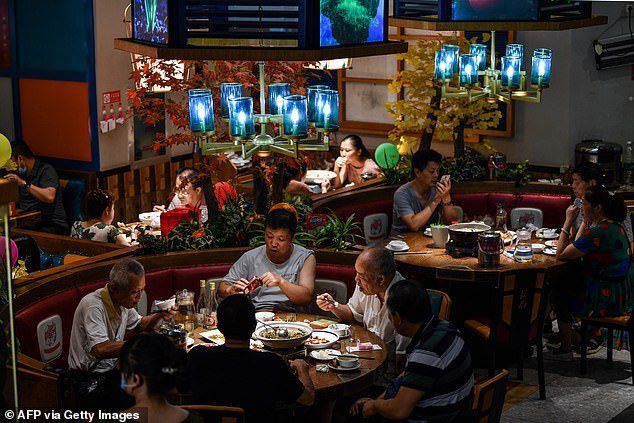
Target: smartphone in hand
[(445, 179)]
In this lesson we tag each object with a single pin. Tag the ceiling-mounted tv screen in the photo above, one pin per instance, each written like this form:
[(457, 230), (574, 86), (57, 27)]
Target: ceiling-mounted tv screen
[(345, 22), (149, 21), (494, 10)]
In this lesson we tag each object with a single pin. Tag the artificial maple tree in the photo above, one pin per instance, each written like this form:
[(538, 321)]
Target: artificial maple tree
[(422, 113)]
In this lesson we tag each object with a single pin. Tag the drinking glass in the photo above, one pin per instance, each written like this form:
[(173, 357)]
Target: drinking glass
[(291, 317)]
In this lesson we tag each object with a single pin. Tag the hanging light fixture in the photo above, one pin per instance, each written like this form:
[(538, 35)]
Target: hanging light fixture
[(293, 114), (478, 81)]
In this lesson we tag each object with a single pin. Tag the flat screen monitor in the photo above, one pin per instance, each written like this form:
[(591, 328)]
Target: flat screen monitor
[(494, 10), (349, 22), (150, 21)]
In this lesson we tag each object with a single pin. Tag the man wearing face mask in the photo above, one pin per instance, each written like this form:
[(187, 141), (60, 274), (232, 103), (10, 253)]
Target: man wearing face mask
[(39, 189)]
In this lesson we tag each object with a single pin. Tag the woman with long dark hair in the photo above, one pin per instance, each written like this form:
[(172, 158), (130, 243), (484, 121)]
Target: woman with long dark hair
[(151, 367), (354, 160), (605, 289)]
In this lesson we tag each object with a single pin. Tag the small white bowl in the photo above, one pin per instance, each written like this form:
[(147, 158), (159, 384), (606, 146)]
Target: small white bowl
[(340, 329), (264, 316), (347, 361), (166, 304), (538, 248), (398, 245)]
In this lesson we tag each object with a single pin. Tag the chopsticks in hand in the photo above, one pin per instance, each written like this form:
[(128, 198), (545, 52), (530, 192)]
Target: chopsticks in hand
[(330, 301)]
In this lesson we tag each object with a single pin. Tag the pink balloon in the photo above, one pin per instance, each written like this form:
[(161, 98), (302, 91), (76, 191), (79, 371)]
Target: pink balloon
[(14, 251)]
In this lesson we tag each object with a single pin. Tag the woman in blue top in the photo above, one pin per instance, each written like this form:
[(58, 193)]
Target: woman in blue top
[(417, 204), (607, 272)]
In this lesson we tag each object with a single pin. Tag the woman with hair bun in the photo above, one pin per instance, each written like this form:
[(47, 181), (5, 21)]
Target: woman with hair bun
[(151, 367), (605, 289), (99, 216)]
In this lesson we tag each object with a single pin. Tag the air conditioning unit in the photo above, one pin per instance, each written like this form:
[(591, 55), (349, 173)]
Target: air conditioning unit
[(614, 51)]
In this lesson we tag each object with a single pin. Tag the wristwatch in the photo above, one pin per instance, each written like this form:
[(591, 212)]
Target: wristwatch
[(26, 185)]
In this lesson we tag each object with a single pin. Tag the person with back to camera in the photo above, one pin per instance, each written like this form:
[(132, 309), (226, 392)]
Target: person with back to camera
[(98, 224), (437, 383), (424, 200), (151, 366), (285, 271), (354, 160), (39, 189), (234, 375), (607, 275)]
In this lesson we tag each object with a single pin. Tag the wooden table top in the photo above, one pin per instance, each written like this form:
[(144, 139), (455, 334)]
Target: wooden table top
[(334, 384), (439, 259)]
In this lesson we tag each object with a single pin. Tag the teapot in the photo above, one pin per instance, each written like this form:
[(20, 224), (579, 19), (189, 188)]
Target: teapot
[(524, 247)]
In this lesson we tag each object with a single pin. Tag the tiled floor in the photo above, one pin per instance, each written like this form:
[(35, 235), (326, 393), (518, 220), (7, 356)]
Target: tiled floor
[(598, 396)]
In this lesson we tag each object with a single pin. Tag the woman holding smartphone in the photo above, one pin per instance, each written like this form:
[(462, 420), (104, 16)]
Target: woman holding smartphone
[(424, 200)]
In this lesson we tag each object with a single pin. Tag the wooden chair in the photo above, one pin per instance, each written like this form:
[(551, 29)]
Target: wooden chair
[(440, 304), (217, 413), (625, 323), (488, 398), (517, 321)]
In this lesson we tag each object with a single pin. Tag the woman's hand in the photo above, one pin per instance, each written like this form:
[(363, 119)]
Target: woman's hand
[(340, 162), (571, 215)]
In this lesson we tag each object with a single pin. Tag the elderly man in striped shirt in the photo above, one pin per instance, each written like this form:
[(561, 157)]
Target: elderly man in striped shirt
[(437, 384)]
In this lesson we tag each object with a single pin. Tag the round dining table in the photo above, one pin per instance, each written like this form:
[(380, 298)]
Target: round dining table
[(333, 384), (424, 259)]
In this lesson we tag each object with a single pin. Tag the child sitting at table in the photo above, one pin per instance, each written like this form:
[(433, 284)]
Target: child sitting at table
[(99, 216)]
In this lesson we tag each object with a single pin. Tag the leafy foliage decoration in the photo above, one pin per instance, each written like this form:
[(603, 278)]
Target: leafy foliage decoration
[(421, 113)]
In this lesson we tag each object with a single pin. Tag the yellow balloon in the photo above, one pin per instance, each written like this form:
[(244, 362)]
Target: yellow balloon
[(5, 150)]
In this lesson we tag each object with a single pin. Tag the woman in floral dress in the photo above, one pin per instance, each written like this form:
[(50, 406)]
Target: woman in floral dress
[(605, 288), (99, 216)]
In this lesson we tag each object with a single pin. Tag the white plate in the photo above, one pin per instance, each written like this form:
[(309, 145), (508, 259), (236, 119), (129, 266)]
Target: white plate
[(510, 237), (317, 176), (551, 244), (427, 232), (324, 355), (190, 341), (540, 234), (330, 336), (550, 251), (345, 369), (214, 336)]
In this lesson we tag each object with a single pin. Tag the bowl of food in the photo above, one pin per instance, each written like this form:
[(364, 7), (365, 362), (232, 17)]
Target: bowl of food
[(321, 339), (269, 335), (151, 219), (465, 233), (318, 176)]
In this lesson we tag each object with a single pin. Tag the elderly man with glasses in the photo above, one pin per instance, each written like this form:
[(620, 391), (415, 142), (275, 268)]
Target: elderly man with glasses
[(376, 272)]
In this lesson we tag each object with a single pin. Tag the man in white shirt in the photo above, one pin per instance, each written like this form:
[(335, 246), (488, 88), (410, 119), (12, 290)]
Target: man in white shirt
[(376, 271), (100, 324)]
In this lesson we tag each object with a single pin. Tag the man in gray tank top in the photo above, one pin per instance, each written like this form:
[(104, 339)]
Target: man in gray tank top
[(286, 270)]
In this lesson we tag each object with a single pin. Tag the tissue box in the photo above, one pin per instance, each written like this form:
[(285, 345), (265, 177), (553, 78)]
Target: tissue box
[(365, 346)]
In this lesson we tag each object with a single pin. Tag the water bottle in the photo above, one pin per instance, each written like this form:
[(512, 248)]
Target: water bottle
[(628, 164)]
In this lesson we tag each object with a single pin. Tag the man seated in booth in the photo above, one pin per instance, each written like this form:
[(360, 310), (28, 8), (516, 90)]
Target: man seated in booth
[(437, 383), (101, 321), (424, 200), (39, 189), (282, 272), (584, 176), (234, 375), (376, 272)]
